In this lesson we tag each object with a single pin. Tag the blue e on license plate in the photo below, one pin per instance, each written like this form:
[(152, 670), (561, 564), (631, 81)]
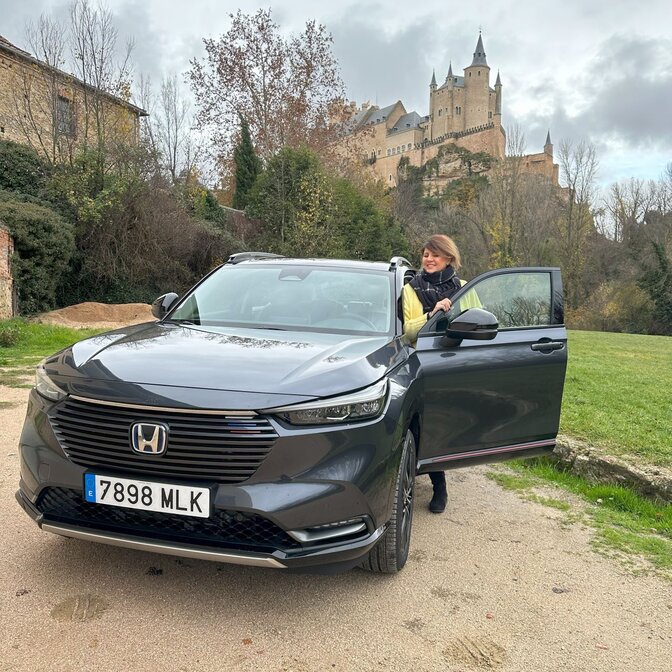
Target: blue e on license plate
[(183, 500)]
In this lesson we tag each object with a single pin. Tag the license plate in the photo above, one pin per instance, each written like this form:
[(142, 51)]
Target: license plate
[(183, 500)]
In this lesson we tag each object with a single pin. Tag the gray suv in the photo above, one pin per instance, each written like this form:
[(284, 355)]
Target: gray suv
[(276, 416)]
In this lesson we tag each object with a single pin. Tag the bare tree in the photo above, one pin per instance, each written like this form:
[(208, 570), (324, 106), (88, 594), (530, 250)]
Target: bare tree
[(578, 167), (36, 91), (626, 206), (285, 88), (169, 130), (93, 43)]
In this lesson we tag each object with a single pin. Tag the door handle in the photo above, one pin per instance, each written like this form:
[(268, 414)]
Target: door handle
[(547, 346)]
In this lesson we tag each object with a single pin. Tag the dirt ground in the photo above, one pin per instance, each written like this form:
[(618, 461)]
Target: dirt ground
[(98, 315), (495, 583)]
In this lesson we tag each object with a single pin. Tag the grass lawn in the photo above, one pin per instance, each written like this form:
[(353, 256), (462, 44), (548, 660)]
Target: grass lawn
[(618, 394), (618, 391), (627, 525), (23, 344)]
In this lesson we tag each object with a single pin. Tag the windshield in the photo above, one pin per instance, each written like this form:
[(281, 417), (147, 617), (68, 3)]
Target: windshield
[(293, 298)]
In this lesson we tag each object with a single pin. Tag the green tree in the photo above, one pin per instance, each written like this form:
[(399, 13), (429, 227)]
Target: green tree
[(43, 246), (247, 166), (306, 212), (657, 282), (21, 169)]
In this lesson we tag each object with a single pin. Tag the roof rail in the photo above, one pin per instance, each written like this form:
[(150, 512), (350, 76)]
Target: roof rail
[(249, 256), (399, 261)]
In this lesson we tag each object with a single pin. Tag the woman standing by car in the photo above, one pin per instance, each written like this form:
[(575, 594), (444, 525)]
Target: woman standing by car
[(428, 292)]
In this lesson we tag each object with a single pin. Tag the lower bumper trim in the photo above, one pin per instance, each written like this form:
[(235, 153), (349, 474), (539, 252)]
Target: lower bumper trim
[(166, 549)]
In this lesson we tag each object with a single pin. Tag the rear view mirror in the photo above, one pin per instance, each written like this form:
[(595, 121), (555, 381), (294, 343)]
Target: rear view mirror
[(473, 324), (163, 304)]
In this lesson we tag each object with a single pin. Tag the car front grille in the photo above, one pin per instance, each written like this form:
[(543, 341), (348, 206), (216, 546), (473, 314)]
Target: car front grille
[(201, 446), (234, 530)]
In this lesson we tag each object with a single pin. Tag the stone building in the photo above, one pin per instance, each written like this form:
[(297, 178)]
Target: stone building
[(6, 283), (464, 110), (55, 112)]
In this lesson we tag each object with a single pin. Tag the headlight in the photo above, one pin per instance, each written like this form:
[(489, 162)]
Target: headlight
[(362, 405), (45, 386)]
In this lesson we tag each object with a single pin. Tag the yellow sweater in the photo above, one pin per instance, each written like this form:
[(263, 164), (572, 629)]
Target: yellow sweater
[(415, 316)]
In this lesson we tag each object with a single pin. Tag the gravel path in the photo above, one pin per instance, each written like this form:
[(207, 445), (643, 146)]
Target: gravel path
[(496, 583)]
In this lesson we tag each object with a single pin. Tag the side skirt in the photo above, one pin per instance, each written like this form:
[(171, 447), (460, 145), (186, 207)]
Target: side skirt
[(486, 455)]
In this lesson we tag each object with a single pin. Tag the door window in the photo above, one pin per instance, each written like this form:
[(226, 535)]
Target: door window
[(520, 299)]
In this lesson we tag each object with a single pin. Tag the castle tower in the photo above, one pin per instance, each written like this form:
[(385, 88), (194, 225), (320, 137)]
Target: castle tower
[(548, 145), (498, 101), (477, 89)]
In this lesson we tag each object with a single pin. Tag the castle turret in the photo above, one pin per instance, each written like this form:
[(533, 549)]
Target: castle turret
[(477, 89), (548, 145), (479, 54), (432, 84), (450, 78), (498, 100)]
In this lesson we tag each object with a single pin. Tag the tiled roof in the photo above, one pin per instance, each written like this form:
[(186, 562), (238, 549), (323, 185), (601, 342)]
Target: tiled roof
[(407, 122), (380, 115)]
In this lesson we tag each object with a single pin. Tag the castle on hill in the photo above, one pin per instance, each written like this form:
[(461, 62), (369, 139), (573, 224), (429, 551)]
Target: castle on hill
[(465, 110)]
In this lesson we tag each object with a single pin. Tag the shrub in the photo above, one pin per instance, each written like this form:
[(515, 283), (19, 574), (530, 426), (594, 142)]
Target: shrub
[(43, 245), (9, 334), (614, 306), (21, 169)]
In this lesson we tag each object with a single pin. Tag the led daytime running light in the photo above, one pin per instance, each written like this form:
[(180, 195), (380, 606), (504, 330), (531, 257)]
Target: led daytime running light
[(362, 405)]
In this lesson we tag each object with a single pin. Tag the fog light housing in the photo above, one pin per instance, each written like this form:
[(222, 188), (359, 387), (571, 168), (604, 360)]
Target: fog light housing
[(343, 528)]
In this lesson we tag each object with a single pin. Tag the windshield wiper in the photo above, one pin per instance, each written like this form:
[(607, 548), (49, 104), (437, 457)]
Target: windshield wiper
[(180, 321)]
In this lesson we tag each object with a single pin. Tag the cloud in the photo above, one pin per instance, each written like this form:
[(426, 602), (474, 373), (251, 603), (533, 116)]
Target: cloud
[(389, 66), (620, 99)]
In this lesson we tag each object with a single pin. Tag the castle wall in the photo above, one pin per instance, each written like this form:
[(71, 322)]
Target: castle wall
[(447, 111), (490, 140), (541, 164)]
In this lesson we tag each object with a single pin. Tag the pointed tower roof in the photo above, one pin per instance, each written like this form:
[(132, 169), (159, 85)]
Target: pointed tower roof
[(479, 54), (548, 138), (433, 82), (499, 81), (450, 70)]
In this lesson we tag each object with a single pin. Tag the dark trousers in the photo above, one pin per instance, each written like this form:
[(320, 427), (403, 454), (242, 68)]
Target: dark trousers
[(438, 479)]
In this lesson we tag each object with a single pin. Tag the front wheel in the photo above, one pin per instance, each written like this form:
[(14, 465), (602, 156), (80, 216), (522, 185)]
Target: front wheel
[(391, 552)]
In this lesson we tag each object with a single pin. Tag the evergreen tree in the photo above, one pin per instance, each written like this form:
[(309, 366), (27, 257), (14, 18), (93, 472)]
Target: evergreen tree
[(247, 166)]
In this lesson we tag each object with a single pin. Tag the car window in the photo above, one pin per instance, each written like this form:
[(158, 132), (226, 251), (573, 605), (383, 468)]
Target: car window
[(293, 298), (519, 299)]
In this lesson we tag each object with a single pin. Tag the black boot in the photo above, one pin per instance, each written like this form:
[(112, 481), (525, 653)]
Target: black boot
[(440, 498)]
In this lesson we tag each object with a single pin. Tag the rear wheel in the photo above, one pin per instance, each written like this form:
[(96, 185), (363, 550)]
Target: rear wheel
[(391, 552)]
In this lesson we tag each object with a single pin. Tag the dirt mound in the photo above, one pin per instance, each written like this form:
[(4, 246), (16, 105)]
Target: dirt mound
[(99, 315)]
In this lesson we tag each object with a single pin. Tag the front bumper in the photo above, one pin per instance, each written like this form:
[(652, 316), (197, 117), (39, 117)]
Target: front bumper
[(309, 481), (341, 557)]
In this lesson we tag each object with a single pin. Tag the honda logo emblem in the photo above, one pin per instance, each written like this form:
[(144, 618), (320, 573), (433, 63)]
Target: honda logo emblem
[(148, 438)]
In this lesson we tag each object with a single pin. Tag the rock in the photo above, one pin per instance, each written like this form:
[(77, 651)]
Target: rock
[(595, 465)]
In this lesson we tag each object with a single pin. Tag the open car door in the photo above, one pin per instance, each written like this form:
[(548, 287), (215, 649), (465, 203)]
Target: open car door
[(492, 370)]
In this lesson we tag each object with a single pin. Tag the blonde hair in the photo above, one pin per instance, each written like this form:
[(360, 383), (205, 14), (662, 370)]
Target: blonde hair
[(445, 247)]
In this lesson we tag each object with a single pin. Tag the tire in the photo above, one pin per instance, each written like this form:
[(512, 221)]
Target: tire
[(389, 555)]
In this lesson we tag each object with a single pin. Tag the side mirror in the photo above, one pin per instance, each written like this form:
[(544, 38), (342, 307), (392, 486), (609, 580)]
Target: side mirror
[(473, 324), (163, 304)]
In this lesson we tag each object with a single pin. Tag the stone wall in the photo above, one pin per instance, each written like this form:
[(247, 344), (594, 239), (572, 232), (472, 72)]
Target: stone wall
[(490, 140), (28, 91), (6, 282)]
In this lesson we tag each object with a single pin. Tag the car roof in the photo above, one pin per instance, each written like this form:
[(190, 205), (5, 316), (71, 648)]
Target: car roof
[(333, 263)]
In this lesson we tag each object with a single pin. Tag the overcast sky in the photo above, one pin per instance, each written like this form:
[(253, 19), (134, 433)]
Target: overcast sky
[(594, 69)]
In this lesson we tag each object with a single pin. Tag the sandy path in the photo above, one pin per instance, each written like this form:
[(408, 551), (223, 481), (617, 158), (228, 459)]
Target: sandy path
[(477, 594)]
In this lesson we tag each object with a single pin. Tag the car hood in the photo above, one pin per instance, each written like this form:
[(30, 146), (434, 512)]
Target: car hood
[(254, 367)]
